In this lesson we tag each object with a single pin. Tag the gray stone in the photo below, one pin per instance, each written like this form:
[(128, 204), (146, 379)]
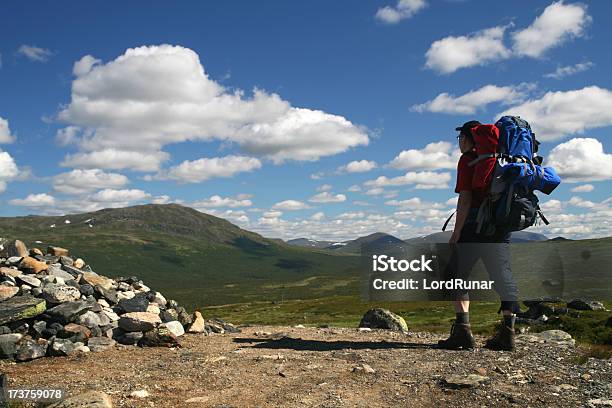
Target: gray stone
[(379, 318), (14, 260), (20, 307), (175, 327), (464, 381), (28, 349), (55, 270), (88, 319), (29, 280), (97, 344), (61, 347), (138, 321), (55, 293), (90, 399), (7, 292), (168, 315), (69, 311), (579, 304), (109, 294), (136, 304), (159, 337), (8, 344), (127, 338)]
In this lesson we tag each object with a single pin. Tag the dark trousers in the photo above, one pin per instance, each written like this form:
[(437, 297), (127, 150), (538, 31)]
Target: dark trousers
[(494, 250)]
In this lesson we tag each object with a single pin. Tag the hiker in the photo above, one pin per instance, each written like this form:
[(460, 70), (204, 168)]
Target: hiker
[(472, 245)]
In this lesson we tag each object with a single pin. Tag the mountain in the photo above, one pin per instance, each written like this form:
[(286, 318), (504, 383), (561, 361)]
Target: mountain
[(443, 237), (196, 258), (354, 246), (310, 243)]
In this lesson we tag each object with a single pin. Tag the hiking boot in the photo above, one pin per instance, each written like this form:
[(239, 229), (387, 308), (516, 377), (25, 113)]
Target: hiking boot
[(460, 338), (503, 339)]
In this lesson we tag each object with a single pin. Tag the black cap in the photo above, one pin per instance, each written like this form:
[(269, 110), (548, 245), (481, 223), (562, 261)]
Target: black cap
[(467, 126)]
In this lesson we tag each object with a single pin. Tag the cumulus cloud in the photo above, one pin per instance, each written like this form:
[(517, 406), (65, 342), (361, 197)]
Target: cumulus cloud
[(562, 72), (110, 195), (421, 180), (435, 156), (290, 205), (86, 181), (482, 47), (414, 203), (564, 113), (474, 100), (558, 23), (402, 10), (324, 187), (5, 132), (117, 159), (8, 170), (358, 166), (153, 96), (34, 53), (200, 170), (581, 160), (34, 200), (327, 197), (217, 201), (585, 188)]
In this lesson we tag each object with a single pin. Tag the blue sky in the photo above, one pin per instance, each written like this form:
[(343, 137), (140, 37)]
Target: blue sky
[(322, 119)]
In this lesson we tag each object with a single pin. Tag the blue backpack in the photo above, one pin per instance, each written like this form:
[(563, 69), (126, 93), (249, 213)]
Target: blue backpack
[(511, 203)]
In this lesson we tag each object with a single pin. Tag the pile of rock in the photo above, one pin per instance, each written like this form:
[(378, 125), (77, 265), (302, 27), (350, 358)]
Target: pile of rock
[(548, 309), (52, 304)]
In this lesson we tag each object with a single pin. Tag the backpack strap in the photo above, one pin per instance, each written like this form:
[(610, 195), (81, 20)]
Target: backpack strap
[(482, 157), (448, 220), (544, 220)]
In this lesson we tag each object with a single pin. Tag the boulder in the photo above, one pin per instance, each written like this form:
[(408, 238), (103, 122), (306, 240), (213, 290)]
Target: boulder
[(29, 280), (153, 308), (67, 312), (175, 327), (54, 293), (57, 251), (379, 318), (159, 337), (34, 252), (127, 338), (8, 344), (97, 344), (198, 323), (61, 347), (28, 349), (90, 399), (159, 299), (135, 304), (138, 321), (32, 265), (579, 304), (168, 315), (109, 294), (96, 280), (72, 329), (55, 270), (7, 292), (79, 263), (20, 307), (10, 272), (88, 319)]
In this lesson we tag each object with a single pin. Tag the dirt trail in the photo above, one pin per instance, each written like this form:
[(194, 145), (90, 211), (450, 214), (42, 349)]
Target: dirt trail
[(308, 367)]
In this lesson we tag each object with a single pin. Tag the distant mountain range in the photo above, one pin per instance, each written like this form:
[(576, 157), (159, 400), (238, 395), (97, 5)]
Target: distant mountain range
[(354, 245)]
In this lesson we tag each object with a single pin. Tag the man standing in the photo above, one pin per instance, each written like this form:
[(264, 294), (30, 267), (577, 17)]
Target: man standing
[(493, 249)]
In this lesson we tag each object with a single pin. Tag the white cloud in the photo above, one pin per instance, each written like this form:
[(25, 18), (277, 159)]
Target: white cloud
[(84, 65), (217, 201), (318, 216), (86, 181), (452, 53), (558, 23), (452, 202), (117, 159), (474, 100), (564, 113), (585, 188), (421, 180), (354, 188), (272, 214), (327, 197), (118, 196), (358, 166), (8, 170), (434, 156), (402, 10), (581, 202), (34, 200), (153, 96), (5, 132), (200, 170), (162, 199), (581, 160), (324, 187), (34, 53), (414, 203), (67, 135), (290, 205), (562, 72)]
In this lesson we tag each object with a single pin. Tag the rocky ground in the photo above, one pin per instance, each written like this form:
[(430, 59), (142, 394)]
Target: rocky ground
[(326, 367)]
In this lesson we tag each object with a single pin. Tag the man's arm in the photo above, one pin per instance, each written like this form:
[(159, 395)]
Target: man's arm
[(463, 209)]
